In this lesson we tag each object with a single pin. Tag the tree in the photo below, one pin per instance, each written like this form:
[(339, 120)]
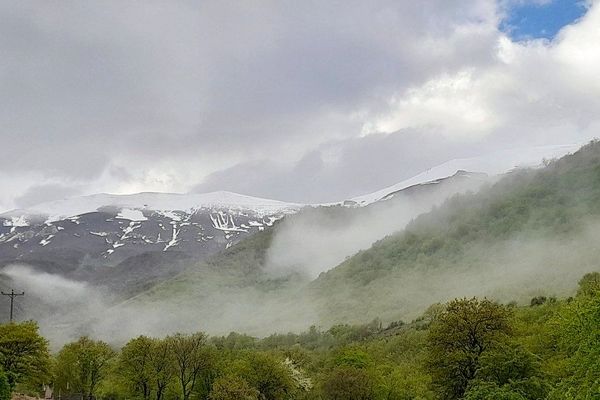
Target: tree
[(268, 375), (348, 383), (589, 284), (490, 390), (231, 387), (135, 367), (24, 354), (189, 359), (82, 365), (5, 390), (458, 337), (577, 326), (162, 367)]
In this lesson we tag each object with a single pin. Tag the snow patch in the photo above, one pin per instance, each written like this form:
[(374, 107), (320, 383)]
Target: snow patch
[(46, 241), (131, 214), (17, 221), (101, 234)]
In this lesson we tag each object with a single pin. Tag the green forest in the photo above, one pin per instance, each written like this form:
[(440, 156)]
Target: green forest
[(468, 348)]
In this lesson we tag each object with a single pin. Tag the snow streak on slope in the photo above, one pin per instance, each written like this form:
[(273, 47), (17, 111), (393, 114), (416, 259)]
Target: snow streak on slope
[(490, 164)]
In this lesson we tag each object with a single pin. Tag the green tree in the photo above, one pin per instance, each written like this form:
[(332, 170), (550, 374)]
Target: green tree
[(190, 360), (490, 390), (589, 285), (24, 354), (578, 329), (135, 366), (162, 367), (82, 365), (457, 339), (268, 375), (511, 366), (348, 383), (5, 390), (231, 387)]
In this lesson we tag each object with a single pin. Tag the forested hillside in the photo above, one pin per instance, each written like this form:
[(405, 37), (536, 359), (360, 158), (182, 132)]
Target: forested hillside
[(533, 232)]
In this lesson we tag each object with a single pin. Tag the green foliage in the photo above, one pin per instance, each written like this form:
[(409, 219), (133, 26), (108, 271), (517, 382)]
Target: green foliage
[(459, 337), (82, 365), (348, 383), (490, 390), (192, 360), (24, 354), (578, 328), (267, 374), (146, 367), (232, 387), (352, 357), (5, 390), (589, 285)]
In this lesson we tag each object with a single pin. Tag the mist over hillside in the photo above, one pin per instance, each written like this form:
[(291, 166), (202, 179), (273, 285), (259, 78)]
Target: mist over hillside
[(529, 234), (300, 200)]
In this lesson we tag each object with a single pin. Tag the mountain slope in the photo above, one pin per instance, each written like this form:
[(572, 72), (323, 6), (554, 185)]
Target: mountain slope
[(533, 230), (82, 236)]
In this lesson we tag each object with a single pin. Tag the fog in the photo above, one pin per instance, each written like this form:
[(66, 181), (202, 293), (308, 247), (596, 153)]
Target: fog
[(317, 240), (514, 270), (57, 303), (280, 294)]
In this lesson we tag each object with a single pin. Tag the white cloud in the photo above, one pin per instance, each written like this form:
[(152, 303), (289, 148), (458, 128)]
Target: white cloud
[(536, 91), (161, 96)]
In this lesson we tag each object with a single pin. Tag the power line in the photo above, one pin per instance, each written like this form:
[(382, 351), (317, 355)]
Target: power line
[(12, 296)]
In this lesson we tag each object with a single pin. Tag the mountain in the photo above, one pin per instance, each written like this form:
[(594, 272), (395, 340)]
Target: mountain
[(114, 240)]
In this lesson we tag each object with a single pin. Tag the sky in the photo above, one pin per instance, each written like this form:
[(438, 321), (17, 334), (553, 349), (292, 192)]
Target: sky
[(310, 101)]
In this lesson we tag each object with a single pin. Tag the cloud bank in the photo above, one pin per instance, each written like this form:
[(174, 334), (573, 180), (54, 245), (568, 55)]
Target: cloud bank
[(302, 101)]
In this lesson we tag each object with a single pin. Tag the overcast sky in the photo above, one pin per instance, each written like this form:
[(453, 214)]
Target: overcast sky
[(301, 101)]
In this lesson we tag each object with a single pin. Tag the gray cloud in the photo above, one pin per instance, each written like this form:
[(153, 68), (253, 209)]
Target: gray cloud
[(175, 93), (341, 169), (43, 193)]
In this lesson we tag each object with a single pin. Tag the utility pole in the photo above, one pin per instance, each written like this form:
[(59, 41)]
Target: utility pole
[(12, 296)]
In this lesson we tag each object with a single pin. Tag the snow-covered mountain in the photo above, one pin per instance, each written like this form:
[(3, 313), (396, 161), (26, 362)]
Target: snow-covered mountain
[(110, 228), (126, 242)]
